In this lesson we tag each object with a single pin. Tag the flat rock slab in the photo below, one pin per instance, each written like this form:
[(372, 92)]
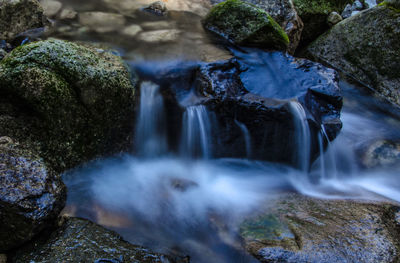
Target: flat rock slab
[(302, 229)]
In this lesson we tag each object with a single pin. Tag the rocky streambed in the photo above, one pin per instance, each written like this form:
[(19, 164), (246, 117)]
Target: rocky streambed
[(205, 131)]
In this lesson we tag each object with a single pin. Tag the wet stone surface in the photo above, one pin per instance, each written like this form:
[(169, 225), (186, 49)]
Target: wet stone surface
[(79, 240), (31, 195)]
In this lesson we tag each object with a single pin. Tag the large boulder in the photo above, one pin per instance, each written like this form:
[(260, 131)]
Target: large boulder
[(79, 240), (18, 16), (314, 14), (245, 24), (78, 101), (298, 229), (31, 194), (366, 46), (284, 13)]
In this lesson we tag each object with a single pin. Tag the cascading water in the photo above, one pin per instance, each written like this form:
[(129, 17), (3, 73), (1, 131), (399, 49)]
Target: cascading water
[(151, 129), (246, 136), (195, 206), (303, 138), (196, 133)]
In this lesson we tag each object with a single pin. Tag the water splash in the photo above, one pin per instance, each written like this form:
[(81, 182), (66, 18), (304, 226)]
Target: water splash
[(246, 136), (151, 139), (303, 139), (196, 133)]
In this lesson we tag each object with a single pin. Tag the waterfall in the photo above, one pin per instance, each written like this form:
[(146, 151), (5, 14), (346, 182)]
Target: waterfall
[(302, 136), (196, 132), (246, 136), (151, 138)]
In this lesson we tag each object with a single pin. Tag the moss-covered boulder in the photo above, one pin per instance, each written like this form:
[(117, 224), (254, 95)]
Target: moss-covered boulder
[(17, 16), (314, 14), (284, 13), (367, 47), (78, 101), (79, 240), (246, 24), (31, 194), (299, 229)]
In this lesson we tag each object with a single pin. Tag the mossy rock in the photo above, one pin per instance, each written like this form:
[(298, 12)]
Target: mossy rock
[(245, 24), (314, 14), (365, 46), (80, 100), (18, 16)]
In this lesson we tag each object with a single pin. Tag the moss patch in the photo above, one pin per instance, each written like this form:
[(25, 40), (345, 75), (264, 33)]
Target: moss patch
[(246, 24)]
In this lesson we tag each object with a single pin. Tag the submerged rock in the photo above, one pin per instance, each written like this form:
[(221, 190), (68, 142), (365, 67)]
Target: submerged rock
[(247, 25), (102, 22), (284, 13), (31, 195), (380, 153), (18, 16), (79, 240), (297, 229), (74, 102), (366, 46), (314, 14)]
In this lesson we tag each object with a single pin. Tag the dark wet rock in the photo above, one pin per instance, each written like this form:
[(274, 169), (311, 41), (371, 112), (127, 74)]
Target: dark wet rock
[(235, 94), (365, 46), (314, 14), (31, 195), (158, 8), (298, 229), (334, 18), (79, 240), (246, 24), (380, 154), (71, 103), (18, 16), (284, 13), (254, 89)]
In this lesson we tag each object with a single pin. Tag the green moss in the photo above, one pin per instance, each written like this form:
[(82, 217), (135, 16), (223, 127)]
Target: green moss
[(83, 98), (246, 24), (390, 6), (267, 229)]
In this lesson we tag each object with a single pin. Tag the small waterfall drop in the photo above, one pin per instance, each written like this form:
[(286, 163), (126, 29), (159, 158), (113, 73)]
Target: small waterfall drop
[(150, 129), (196, 133), (246, 136), (302, 136)]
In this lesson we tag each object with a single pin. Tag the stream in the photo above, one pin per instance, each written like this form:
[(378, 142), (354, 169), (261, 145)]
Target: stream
[(186, 201)]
